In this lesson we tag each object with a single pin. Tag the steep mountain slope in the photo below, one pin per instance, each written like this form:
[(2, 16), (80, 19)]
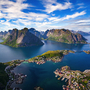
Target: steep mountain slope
[(45, 34), (36, 33), (22, 38), (8, 34), (65, 36)]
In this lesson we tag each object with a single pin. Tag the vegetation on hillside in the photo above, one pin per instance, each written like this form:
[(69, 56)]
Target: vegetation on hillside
[(65, 36), (55, 56)]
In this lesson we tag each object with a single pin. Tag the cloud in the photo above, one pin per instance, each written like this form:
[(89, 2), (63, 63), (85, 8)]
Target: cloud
[(52, 5), (74, 15), (13, 13), (78, 24), (81, 5), (67, 17), (13, 10), (84, 21)]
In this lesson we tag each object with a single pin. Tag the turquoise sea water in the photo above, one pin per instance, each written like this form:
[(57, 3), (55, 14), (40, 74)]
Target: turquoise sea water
[(42, 75)]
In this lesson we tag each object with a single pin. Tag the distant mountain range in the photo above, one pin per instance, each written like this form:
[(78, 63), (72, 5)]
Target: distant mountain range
[(32, 36), (81, 32)]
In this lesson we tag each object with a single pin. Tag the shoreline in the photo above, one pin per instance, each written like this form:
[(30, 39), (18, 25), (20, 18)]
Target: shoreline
[(13, 77), (15, 63), (76, 80)]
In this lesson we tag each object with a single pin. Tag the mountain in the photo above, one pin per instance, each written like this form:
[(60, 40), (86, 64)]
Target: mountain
[(3, 34), (8, 34), (45, 34), (81, 32), (36, 33), (22, 38), (42, 32), (65, 36)]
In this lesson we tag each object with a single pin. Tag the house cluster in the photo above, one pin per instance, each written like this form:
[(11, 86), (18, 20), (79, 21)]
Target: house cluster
[(76, 79), (37, 60), (40, 62)]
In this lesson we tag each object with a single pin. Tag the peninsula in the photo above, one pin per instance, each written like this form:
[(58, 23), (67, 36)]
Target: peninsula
[(55, 56), (76, 80)]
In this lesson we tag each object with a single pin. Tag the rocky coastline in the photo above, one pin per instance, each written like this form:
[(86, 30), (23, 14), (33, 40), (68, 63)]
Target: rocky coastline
[(76, 80), (14, 77)]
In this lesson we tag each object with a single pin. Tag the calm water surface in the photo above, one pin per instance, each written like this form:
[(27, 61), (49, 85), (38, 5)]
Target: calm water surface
[(42, 75), (9, 53)]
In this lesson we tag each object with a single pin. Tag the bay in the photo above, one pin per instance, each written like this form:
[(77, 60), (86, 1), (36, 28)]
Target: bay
[(8, 53), (42, 75)]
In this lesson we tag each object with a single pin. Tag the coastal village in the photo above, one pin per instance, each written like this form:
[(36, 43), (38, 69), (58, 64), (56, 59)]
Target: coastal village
[(75, 80), (55, 56)]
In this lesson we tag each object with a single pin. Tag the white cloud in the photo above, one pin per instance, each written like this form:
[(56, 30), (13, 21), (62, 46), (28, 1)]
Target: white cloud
[(67, 16), (13, 10), (52, 5), (84, 21), (80, 4), (74, 15), (1, 21), (14, 15), (80, 7)]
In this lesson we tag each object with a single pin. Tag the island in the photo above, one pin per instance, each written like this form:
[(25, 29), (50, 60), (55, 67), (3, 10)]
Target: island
[(64, 36), (22, 38), (76, 80)]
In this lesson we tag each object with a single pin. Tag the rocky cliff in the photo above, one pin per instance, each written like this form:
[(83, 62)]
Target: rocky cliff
[(22, 38), (65, 36)]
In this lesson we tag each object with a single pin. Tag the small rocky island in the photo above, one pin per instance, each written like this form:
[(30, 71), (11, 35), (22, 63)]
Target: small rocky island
[(64, 36), (22, 38), (76, 80)]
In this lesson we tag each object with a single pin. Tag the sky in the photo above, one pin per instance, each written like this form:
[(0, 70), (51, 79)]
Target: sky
[(45, 14)]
